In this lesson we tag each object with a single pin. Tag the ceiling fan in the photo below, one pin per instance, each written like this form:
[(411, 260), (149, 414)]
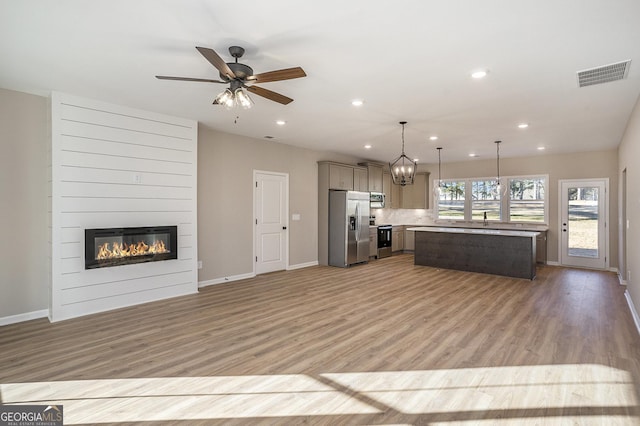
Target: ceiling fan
[(237, 75)]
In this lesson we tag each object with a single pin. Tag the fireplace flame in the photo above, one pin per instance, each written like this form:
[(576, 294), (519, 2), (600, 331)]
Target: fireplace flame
[(136, 249)]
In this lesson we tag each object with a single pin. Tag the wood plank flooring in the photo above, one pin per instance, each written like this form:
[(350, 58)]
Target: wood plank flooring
[(382, 343)]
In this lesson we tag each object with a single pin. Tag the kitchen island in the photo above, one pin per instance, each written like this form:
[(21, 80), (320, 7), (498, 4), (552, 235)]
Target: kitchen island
[(489, 251)]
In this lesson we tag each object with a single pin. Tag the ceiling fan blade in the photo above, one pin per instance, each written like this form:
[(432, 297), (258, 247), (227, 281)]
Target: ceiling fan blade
[(273, 96), (216, 61), (204, 80), (284, 74)]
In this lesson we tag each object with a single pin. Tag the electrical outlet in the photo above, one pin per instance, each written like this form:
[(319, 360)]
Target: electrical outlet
[(199, 264)]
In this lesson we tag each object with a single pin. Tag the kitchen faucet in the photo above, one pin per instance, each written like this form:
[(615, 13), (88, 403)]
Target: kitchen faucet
[(485, 223)]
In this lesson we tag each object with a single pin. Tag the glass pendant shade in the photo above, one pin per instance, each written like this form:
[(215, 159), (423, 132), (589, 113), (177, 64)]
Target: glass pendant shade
[(498, 188), (439, 189), (230, 99), (225, 98), (243, 99), (403, 168)]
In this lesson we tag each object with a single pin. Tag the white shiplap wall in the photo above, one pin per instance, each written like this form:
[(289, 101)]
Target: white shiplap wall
[(113, 166)]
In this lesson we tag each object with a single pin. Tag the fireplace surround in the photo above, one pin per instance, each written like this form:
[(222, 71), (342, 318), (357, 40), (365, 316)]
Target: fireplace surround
[(107, 247)]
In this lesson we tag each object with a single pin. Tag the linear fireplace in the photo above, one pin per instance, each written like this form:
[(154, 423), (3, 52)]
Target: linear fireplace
[(124, 246)]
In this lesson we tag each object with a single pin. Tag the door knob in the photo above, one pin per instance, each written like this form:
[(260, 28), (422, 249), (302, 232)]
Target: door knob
[(284, 227)]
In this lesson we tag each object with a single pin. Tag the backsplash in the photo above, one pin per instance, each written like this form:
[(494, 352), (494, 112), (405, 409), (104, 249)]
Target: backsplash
[(403, 216), (425, 217)]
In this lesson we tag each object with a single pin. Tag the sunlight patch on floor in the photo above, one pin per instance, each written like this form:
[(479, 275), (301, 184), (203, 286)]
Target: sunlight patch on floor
[(547, 394)]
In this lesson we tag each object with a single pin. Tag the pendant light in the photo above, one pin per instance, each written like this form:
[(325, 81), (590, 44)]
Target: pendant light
[(403, 169), (439, 190), (498, 166)]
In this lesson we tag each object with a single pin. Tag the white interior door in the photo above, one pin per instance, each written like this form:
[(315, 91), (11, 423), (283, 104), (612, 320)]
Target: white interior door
[(583, 223), (271, 211)]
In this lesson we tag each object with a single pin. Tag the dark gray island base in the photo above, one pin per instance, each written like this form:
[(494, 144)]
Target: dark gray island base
[(508, 253)]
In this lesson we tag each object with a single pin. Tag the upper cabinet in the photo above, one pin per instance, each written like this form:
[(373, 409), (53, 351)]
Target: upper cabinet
[(340, 176), (391, 192), (360, 179), (415, 196), (407, 197), (374, 171), (372, 177)]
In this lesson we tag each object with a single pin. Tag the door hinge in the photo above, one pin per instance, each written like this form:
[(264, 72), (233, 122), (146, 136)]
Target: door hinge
[(256, 258), (256, 184), (256, 221)]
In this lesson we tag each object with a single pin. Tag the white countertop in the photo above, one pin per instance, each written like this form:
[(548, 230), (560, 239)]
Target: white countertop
[(505, 232)]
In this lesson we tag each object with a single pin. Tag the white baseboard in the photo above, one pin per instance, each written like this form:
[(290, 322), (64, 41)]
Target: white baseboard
[(302, 265), (250, 275), (225, 279), (634, 313), (552, 263), (621, 280), (13, 319)]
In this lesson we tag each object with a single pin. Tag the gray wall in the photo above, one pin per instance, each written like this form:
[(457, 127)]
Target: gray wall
[(600, 164), (629, 160), (23, 210), (225, 200)]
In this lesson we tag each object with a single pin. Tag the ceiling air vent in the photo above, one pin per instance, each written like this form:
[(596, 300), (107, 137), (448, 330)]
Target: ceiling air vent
[(603, 74)]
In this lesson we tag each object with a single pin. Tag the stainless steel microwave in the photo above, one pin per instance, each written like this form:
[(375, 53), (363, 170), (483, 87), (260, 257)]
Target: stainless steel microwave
[(376, 200)]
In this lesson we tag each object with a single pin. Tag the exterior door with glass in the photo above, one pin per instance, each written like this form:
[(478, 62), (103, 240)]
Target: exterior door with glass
[(583, 223)]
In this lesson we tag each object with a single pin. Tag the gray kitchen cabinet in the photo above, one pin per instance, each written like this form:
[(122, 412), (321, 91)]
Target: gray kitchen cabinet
[(415, 196), (391, 192), (541, 247), (373, 242), (397, 238), (374, 172), (409, 240), (340, 176), (360, 179)]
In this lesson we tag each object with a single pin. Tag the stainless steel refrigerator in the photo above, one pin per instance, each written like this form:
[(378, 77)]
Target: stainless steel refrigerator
[(348, 227)]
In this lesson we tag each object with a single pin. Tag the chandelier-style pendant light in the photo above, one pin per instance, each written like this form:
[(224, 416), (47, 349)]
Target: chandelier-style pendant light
[(403, 168), (498, 189)]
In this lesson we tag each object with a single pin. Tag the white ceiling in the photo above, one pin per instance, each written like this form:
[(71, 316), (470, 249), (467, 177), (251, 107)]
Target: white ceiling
[(408, 60)]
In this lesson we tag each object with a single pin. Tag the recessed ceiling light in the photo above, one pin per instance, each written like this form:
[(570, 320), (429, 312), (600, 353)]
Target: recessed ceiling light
[(523, 125), (281, 122), (433, 138), (479, 74), (367, 146), (357, 102), (541, 148), (473, 155)]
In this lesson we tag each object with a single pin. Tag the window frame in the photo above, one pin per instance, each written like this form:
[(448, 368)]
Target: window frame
[(505, 199)]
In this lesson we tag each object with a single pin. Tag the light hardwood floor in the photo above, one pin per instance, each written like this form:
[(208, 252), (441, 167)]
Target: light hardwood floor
[(382, 343)]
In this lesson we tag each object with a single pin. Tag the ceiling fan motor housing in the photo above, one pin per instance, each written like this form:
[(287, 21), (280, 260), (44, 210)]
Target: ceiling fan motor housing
[(241, 71)]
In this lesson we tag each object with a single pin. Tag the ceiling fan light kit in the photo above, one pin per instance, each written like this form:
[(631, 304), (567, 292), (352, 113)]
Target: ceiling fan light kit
[(237, 75), (403, 168)]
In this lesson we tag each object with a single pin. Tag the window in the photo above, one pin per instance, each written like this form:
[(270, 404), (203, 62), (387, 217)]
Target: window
[(485, 200), (451, 200), (526, 199), (522, 199)]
